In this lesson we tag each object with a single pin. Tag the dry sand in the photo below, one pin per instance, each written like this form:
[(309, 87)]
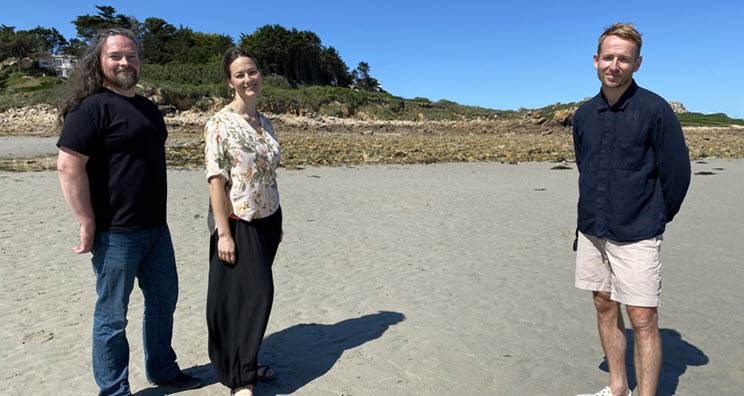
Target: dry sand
[(451, 279)]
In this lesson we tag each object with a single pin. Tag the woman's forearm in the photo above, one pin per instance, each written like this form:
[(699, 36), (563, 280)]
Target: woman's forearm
[(221, 207)]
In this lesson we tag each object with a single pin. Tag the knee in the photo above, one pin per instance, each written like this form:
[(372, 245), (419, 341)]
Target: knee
[(644, 319), (110, 317), (160, 296), (604, 305), (108, 326), (160, 305)]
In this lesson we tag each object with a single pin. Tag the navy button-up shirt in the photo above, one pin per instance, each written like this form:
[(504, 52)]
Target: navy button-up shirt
[(634, 167)]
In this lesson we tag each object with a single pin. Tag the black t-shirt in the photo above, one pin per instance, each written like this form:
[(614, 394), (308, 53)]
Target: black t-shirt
[(124, 139)]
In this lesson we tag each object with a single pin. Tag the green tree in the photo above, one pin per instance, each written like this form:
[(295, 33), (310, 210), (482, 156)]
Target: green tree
[(305, 56), (333, 69), (363, 80), (270, 44), (50, 40), (20, 44), (88, 25), (188, 46), (75, 47), (299, 56), (7, 38), (207, 47), (157, 37)]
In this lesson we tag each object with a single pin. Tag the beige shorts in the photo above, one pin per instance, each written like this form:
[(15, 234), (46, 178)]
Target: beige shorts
[(629, 271)]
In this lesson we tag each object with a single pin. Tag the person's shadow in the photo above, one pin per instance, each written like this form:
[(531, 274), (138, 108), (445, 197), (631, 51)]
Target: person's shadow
[(303, 352), (677, 354)]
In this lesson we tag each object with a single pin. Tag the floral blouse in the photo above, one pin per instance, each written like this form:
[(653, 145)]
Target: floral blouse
[(247, 159)]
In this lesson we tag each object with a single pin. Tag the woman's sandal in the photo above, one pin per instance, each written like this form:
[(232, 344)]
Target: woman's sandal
[(264, 373)]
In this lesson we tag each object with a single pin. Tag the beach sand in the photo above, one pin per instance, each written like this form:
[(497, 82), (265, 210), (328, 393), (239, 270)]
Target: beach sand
[(27, 146), (452, 279)]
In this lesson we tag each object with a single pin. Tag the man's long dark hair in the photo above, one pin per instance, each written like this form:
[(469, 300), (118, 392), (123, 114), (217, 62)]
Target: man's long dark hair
[(88, 78)]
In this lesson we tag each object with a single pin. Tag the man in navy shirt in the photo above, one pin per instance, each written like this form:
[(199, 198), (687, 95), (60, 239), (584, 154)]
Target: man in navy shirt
[(634, 171), (112, 170)]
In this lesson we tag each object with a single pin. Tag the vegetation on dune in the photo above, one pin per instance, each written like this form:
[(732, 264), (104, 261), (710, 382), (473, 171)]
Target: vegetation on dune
[(688, 119), (200, 86), (708, 120), (549, 111), (19, 90)]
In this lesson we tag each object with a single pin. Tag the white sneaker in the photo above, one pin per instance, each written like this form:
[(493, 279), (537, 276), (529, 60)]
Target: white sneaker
[(604, 392), (246, 391)]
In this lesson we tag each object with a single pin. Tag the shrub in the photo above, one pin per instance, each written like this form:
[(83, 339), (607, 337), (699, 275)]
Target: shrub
[(19, 82), (711, 120), (277, 81), (184, 73)]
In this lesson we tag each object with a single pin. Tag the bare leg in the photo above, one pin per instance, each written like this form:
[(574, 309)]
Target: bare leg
[(647, 355), (612, 334)]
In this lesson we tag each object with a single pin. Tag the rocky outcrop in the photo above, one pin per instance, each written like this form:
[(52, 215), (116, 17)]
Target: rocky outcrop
[(41, 120), (535, 117), (678, 107), (37, 120), (564, 116)]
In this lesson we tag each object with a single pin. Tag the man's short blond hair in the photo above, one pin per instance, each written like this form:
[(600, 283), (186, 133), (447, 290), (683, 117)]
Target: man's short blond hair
[(625, 31)]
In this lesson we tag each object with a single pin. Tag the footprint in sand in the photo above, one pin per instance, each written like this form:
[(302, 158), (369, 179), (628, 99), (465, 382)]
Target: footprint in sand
[(40, 337)]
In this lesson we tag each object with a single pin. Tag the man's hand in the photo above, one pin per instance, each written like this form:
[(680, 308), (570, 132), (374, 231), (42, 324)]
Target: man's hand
[(87, 237)]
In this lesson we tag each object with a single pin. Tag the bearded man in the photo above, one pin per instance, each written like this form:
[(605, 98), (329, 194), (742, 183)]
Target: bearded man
[(111, 167)]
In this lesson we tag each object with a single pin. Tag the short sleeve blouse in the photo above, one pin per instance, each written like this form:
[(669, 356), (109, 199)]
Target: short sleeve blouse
[(248, 161)]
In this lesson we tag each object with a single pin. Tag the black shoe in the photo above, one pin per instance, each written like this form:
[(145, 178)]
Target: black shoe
[(183, 381)]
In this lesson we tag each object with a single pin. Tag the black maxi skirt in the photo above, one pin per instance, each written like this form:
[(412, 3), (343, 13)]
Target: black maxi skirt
[(239, 298)]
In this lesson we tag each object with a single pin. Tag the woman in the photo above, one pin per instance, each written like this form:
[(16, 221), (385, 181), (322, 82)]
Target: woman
[(242, 155)]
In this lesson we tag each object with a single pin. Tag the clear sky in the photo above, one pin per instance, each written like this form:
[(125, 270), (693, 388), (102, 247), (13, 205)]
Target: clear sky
[(500, 55)]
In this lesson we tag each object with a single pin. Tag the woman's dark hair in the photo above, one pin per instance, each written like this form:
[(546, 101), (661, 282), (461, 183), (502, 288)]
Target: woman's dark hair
[(88, 78), (230, 56)]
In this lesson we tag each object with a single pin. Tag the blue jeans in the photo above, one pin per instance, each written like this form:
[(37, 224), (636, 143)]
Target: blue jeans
[(119, 257)]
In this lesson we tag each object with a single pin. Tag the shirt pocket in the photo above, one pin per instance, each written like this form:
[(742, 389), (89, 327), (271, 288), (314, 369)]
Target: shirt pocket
[(627, 155)]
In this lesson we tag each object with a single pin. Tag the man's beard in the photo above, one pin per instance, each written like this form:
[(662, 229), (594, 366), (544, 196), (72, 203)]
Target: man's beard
[(125, 79)]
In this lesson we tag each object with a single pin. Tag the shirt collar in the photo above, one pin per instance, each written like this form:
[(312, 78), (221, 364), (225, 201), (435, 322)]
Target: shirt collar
[(621, 103)]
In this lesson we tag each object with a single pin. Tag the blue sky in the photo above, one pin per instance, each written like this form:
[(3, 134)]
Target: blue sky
[(501, 55)]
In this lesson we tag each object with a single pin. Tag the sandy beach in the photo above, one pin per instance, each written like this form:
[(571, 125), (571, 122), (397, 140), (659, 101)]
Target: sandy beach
[(27, 146), (444, 279)]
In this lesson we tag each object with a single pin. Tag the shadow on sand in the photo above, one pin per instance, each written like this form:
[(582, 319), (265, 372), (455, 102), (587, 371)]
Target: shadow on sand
[(677, 355), (303, 352)]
